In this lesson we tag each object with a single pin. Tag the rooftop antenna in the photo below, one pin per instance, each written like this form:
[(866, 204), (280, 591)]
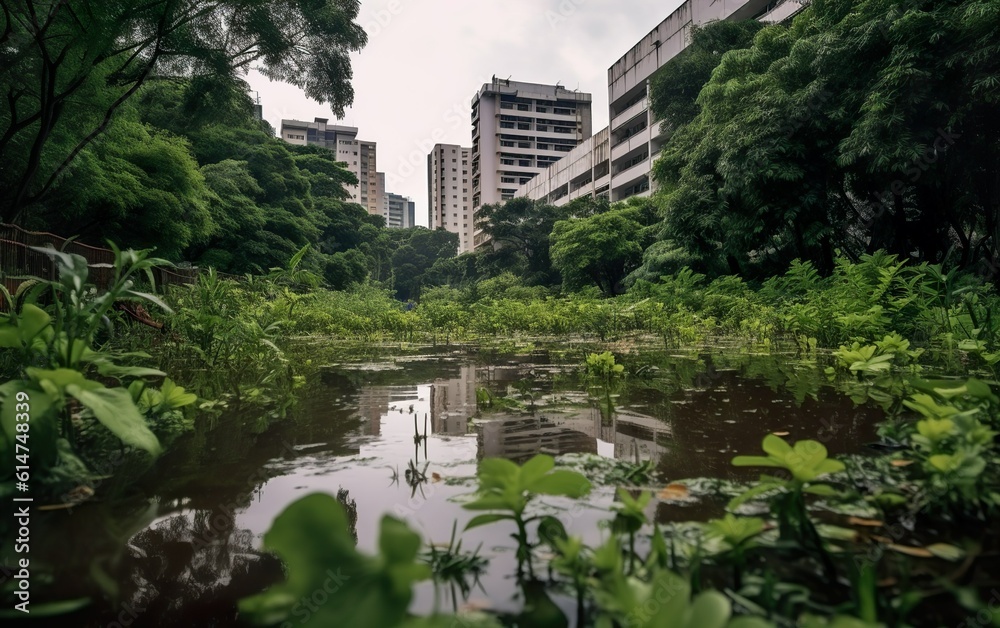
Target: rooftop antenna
[(507, 80)]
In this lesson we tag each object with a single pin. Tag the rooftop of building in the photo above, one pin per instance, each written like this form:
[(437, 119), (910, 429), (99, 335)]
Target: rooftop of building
[(523, 89), (319, 123)]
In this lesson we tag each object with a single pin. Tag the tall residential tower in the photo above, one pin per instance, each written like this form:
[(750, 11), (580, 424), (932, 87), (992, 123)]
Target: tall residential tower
[(449, 192), (359, 155), (519, 130)]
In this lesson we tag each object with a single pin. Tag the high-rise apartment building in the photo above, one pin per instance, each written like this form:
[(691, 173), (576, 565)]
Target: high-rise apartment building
[(449, 193), (627, 149), (401, 212), (518, 130), (359, 155)]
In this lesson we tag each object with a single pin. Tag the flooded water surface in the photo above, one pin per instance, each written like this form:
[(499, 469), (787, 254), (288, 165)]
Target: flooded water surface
[(401, 435)]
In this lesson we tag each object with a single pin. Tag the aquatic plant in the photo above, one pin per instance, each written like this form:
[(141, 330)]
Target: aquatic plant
[(509, 488)]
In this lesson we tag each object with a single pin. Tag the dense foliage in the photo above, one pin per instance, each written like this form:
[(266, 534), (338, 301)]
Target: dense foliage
[(67, 68), (862, 126)]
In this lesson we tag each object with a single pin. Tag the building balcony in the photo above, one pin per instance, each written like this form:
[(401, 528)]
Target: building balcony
[(639, 140), (632, 175), (782, 11), (622, 119)]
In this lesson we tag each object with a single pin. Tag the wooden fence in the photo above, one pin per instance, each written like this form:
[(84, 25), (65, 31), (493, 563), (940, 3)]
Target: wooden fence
[(18, 261)]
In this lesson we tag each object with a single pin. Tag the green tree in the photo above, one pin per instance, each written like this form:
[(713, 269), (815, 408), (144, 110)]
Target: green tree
[(66, 68), (140, 187), (416, 253), (864, 125), (674, 89), (519, 229), (602, 249)]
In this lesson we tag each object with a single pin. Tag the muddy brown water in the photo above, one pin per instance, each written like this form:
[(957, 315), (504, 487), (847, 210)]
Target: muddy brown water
[(184, 546)]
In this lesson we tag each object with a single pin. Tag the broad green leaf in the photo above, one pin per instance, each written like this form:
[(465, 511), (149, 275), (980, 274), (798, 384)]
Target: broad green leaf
[(823, 490), (31, 321), (753, 492), (535, 468), (776, 446), (313, 538), (756, 461), (114, 370), (10, 337), (60, 378), (486, 519), (114, 408), (497, 473), (710, 609), (488, 502), (174, 395), (829, 466), (561, 482), (946, 551), (397, 542)]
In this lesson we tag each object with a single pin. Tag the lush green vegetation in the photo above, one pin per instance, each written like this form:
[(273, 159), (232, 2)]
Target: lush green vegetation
[(828, 186)]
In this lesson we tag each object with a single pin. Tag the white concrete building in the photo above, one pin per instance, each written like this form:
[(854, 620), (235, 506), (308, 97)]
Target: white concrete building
[(634, 136), (584, 171), (449, 192), (519, 130), (401, 210), (359, 155)]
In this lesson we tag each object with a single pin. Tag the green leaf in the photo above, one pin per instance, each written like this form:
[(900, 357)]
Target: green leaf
[(711, 609), (60, 378), (152, 298), (753, 492), (756, 461), (488, 502), (776, 446), (109, 369), (486, 519), (823, 490), (114, 408), (947, 552), (397, 542), (313, 539), (174, 395), (561, 482), (535, 468), (497, 473)]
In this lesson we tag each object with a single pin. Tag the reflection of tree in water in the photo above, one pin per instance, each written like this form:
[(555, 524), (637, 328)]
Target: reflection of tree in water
[(191, 569)]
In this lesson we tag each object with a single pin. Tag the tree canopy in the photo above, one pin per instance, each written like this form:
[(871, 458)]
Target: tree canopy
[(67, 68), (602, 249), (864, 125)]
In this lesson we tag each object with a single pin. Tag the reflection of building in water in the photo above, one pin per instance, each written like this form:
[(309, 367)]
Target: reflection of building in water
[(632, 432), (520, 439), (453, 401), (374, 403), (579, 431)]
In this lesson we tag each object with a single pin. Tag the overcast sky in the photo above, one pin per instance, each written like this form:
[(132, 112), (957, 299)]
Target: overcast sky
[(426, 59)]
